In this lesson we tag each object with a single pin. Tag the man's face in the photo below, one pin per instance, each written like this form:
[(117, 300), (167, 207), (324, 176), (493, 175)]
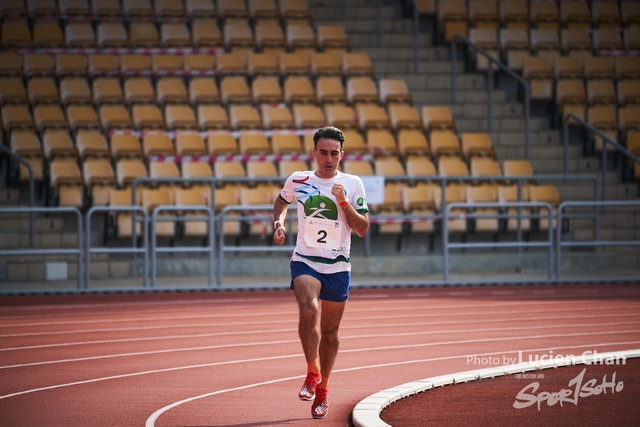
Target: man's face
[(328, 155)]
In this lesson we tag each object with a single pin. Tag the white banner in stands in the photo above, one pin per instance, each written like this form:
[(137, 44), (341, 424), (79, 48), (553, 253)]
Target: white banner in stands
[(374, 189)]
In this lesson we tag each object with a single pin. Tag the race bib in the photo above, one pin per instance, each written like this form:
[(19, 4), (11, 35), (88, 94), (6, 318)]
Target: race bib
[(322, 233)]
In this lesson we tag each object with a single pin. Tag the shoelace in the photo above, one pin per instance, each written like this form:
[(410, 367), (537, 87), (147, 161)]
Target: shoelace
[(313, 380)]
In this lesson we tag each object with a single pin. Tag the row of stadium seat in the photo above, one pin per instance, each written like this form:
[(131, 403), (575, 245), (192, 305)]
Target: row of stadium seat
[(206, 116), (360, 107), (378, 143), (455, 16), (126, 9), (17, 34), (590, 68), (99, 174), (513, 45), (202, 90), (189, 64)]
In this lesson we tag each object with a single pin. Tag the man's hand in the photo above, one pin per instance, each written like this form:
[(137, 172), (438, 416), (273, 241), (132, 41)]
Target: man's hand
[(338, 192), (278, 233)]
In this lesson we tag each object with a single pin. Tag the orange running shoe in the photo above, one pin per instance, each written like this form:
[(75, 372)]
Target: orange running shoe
[(308, 390), (320, 405)]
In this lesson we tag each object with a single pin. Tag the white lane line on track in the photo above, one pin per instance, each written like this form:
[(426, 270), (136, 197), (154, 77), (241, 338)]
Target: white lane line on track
[(389, 306), (153, 418), (346, 320), (348, 316), (385, 348), (146, 339), (170, 309), (119, 304), (154, 352), (294, 341), (396, 347), (142, 328), (148, 319), (156, 371), (232, 333), (245, 299), (258, 344), (287, 330), (408, 334)]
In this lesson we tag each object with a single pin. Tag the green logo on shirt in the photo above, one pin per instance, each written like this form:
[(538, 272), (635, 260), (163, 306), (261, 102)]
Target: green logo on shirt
[(320, 207)]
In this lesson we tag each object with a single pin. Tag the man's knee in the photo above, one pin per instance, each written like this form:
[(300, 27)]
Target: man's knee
[(308, 311), (330, 333)]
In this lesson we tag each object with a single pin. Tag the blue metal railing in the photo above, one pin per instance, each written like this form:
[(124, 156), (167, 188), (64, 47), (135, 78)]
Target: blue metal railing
[(149, 250), (209, 249), (144, 250), (595, 242), (32, 191), (54, 251), (448, 215), (267, 217)]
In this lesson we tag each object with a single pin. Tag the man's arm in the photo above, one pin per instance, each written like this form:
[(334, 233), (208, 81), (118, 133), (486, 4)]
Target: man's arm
[(280, 208), (359, 222)]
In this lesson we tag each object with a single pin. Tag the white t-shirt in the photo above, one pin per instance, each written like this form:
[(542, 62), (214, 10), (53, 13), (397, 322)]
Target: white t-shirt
[(324, 237)]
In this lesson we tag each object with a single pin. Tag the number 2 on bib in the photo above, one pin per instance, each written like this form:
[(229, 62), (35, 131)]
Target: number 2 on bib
[(322, 233)]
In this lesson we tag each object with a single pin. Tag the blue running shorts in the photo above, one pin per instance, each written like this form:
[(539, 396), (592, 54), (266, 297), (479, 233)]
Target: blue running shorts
[(334, 287)]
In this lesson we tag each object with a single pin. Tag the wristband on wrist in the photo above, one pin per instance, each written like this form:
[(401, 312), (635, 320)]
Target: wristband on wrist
[(277, 224), (344, 203)]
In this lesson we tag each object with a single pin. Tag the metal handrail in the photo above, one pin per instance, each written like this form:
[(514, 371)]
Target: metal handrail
[(606, 140), (143, 180), (379, 17), (519, 180), (376, 218), (31, 188), (447, 245), (416, 36), (503, 67), (596, 241), (210, 180), (241, 208), (143, 216), (29, 252)]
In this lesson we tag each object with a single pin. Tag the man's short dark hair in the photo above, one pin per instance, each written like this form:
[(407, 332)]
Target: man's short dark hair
[(328, 132)]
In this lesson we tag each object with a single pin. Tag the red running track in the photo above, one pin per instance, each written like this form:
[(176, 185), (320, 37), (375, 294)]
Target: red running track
[(234, 359)]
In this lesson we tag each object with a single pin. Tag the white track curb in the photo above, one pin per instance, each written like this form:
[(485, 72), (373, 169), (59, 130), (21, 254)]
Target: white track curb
[(367, 412)]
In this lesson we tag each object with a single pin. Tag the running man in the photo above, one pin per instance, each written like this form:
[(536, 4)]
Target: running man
[(330, 205)]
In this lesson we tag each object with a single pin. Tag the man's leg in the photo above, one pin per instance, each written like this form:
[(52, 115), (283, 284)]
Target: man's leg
[(329, 342), (330, 339), (307, 292), (322, 341)]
